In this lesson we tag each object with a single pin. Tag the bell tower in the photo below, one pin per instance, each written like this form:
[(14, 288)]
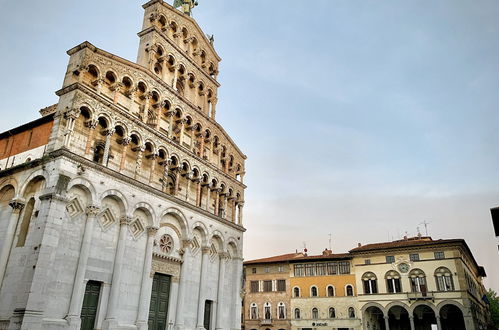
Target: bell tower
[(173, 46)]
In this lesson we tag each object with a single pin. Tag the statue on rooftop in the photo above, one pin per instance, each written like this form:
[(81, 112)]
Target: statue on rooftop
[(187, 5)]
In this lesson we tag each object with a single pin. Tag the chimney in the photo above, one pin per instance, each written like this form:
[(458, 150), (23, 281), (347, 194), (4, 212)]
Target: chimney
[(359, 245), (327, 252), (405, 238)]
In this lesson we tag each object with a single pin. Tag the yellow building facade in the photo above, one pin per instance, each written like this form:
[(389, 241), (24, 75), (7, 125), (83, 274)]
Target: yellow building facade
[(410, 284)]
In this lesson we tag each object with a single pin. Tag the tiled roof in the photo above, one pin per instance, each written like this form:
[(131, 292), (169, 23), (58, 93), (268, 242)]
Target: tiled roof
[(405, 243), (297, 257)]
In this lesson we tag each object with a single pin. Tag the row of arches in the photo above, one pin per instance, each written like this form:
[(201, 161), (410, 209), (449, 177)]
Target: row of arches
[(189, 43), (186, 83), (447, 315), (417, 281), (111, 206), (329, 291), (173, 121), (127, 151)]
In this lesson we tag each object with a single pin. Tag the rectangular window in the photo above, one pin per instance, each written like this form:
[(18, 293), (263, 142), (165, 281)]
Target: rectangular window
[(332, 268), (393, 285), (344, 267), (299, 270), (367, 261), (390, 259), (267, 286), (281, 285), (309, 270), (254, 286), (253, 270), (321, 269), (280, 269), (414, 256), (266, 270), (439, 255)]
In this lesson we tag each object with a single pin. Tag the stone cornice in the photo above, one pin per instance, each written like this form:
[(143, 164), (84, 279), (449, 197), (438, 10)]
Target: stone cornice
[(77, 159), (188, 18), (151, 75), (122, 111), (178, 49)]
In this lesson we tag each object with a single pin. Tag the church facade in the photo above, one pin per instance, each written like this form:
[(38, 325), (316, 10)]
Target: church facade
[(122, 206)]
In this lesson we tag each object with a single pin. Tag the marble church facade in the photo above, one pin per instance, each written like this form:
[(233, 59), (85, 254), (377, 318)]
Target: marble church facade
[(122, 206)]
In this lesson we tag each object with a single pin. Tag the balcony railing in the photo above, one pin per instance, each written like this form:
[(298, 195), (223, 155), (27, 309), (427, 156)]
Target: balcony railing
[(266, 322), (420, 296)]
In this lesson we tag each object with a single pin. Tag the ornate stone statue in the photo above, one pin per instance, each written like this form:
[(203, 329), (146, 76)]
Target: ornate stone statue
[(187, 5)]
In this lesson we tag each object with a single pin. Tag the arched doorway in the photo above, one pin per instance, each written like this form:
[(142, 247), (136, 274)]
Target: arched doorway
[(451, 318), (374, 318), (424, 318), (399, 318)]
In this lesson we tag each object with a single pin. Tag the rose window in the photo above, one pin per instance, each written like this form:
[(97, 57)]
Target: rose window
[(166, 244)]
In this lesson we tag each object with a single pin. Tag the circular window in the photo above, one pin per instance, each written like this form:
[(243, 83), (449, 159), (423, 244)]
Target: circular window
[(166, 243)]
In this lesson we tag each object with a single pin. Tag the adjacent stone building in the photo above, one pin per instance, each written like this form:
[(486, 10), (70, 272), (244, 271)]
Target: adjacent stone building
[(121, 207), (409, 284)]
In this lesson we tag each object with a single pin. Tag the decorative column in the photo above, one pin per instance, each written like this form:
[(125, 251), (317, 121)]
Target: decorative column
[(220, 291), (124, 142), (175, 77), (92, 125), (208, 193), (213, 107), (153, 157), (109, 134), (177, 181), (17, 206), (138, 163), (217, 200), (184, 274), (188, 176), (79, 282), (240, 205), (182, 129), (198, 192), (166, 166), (439, 322), (146, 286), (170, 114), (411, 321), (387, 322), (111, 320), (238, 276), (116, 88), (71, 117), (202, 286)]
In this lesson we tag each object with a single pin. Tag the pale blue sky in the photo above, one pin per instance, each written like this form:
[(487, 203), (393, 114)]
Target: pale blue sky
[(359, 118)]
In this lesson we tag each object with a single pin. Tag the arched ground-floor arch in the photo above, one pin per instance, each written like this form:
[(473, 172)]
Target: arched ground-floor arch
[(451, 318), (374, 318), (399, 318), (424, 318)]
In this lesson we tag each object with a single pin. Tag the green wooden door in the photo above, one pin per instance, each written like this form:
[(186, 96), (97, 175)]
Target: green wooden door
[(207, 314), (158, 309), (90, 302)]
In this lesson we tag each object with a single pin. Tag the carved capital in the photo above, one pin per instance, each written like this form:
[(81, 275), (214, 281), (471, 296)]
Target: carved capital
[(72, 114), (186, 243), (240, 204), (126, 141), (151, 230), (17, 205), (92, 123), (205, 249), (109, 132), (92, 210), (125, 220)]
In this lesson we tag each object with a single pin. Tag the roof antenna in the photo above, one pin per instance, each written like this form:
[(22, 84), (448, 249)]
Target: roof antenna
[(330, 248), (425, 226)]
